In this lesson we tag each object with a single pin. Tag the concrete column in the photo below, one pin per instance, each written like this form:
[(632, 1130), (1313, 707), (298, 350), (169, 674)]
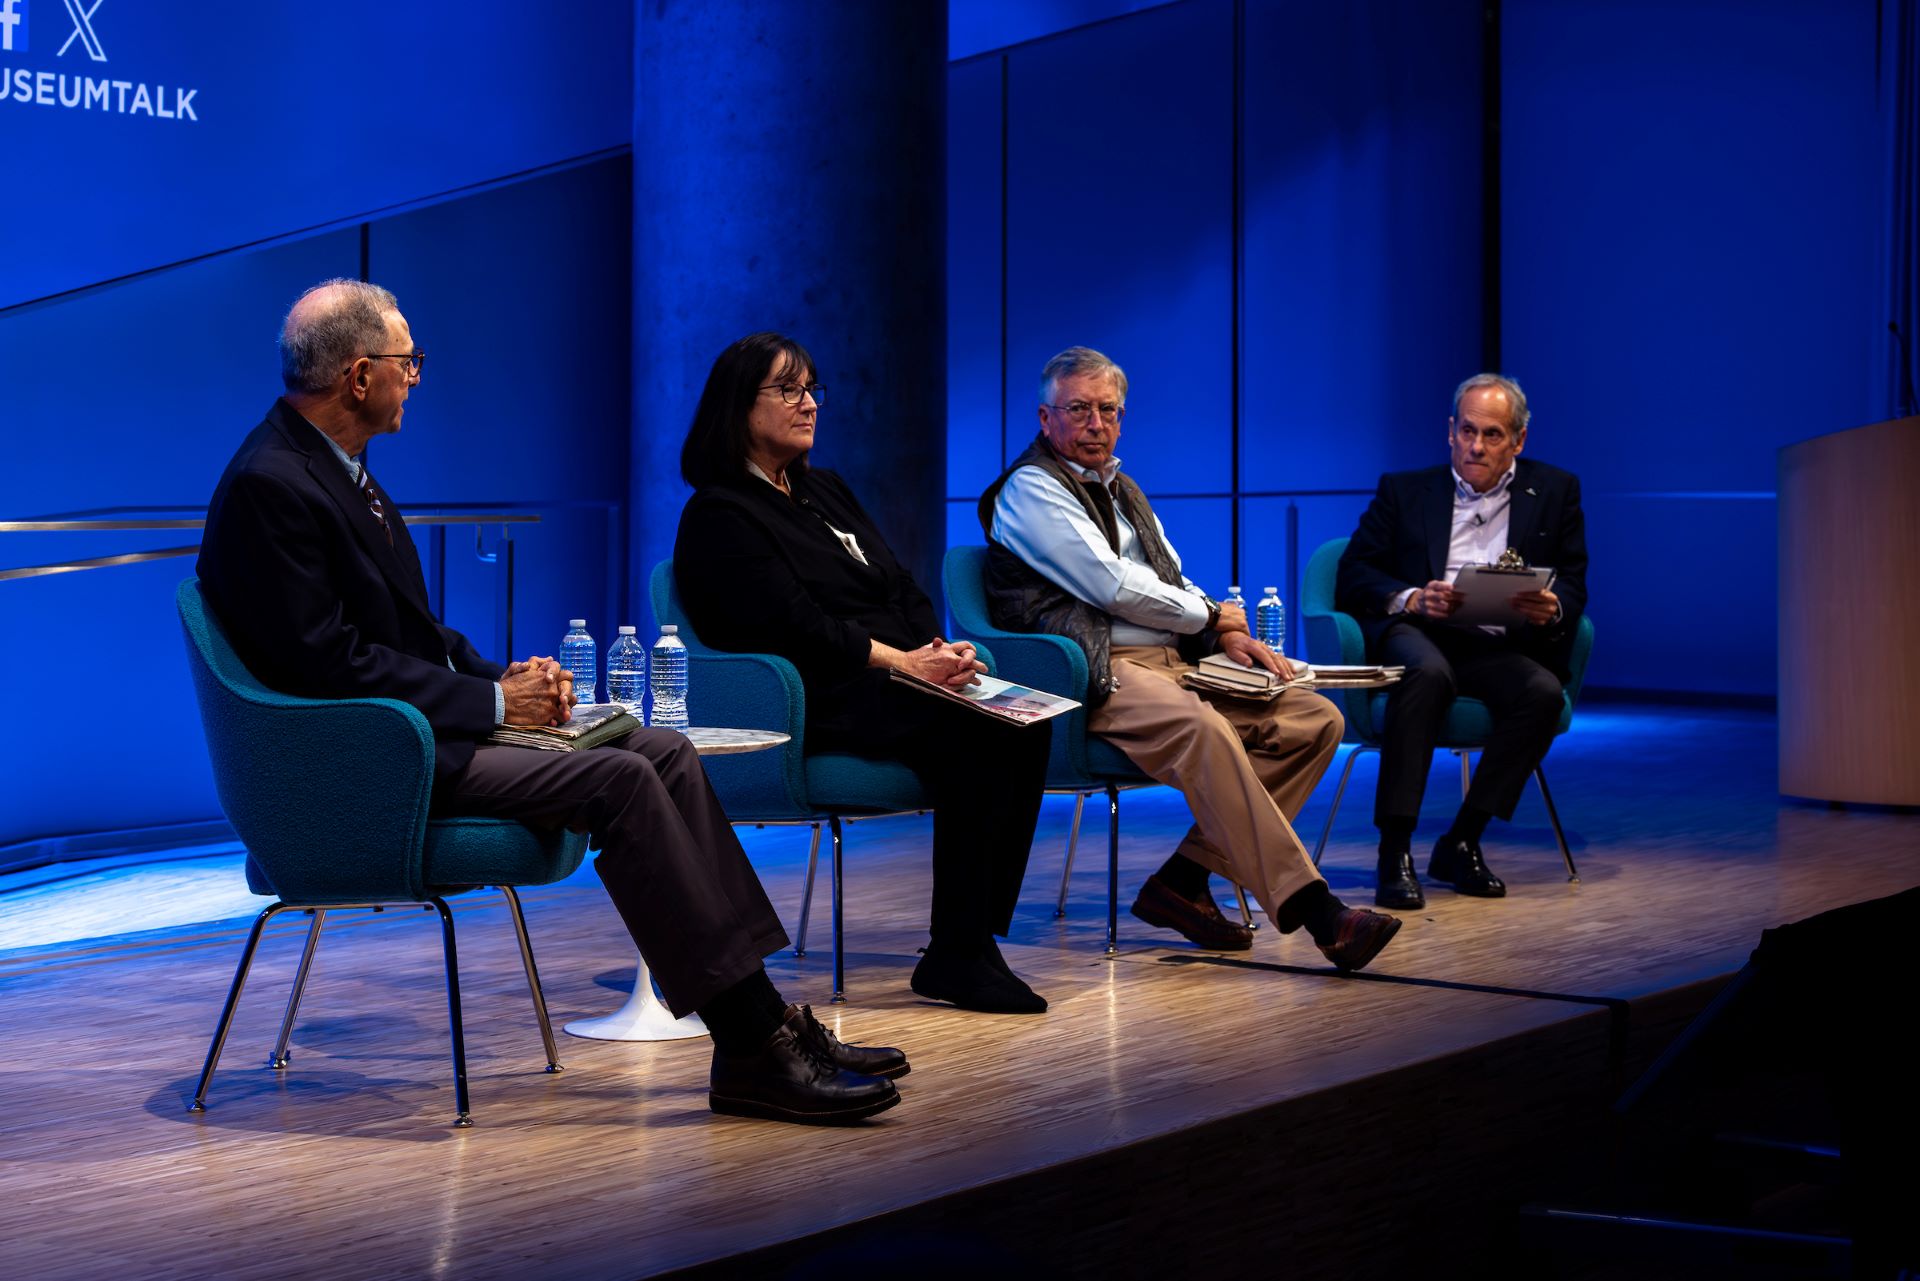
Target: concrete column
[(789, 169)]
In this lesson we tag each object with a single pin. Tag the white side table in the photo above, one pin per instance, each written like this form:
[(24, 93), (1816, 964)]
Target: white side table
[(643, 1017)]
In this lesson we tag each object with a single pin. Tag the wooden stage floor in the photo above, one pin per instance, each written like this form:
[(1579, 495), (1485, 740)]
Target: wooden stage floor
[(1172, 1111)]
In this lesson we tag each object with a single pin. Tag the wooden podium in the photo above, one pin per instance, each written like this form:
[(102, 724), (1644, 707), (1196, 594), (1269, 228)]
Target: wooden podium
[(1850, 615)]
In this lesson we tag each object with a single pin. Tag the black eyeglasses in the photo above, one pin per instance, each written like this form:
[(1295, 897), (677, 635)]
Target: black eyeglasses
[(414, 359), (1078, 412), (793, 393)]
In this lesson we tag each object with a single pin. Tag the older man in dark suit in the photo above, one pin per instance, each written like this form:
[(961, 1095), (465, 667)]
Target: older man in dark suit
[(312, 572), (1397, 578)]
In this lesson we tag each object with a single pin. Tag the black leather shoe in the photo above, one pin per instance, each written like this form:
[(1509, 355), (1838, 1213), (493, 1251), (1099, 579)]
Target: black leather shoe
[(971, 981), (1201, 923), (1359, 935), (1460, 864), (790, 1078), (1399, 887), (868, 1060)]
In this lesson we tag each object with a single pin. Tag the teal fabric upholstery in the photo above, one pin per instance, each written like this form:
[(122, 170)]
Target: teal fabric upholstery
[(763, 691), (784, 785), (330, 796), (1334, 637), (1080, 761)]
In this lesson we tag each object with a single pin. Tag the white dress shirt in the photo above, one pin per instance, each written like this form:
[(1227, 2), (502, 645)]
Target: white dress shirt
[(1480, 523), (1036, 519)]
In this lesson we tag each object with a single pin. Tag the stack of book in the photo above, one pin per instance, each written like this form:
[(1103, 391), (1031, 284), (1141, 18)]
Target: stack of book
[(1221, 674), (590, 725)]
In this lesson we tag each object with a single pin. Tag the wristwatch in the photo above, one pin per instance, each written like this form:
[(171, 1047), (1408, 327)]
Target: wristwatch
[(1213, 615)]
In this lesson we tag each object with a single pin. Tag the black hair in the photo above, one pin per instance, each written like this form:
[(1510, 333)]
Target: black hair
[(716, 446)]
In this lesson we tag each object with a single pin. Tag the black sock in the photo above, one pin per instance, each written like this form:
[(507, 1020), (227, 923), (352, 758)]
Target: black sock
[(741, 1018), (1314, 907), (1469, 825), (1396, 836), (1184, 877)]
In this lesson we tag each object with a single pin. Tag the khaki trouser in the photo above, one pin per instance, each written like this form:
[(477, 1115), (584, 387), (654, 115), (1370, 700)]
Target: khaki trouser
[(1245, 768)]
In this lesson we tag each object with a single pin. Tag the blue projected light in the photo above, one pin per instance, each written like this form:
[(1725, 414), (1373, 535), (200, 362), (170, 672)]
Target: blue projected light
[(140, 134)]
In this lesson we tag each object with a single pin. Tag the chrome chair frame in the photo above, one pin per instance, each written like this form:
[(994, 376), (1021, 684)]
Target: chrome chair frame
[(318, 911)]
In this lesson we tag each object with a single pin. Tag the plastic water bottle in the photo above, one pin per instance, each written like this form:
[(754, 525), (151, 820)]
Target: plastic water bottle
[(1270, 620), (667, 681), (577, 652), (627, 671), (1235, 598)]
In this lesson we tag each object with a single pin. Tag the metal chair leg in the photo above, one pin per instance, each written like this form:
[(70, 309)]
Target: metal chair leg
[(1566, 855), (1113, 870), (533, 978), (1246, 915), (1073, 842), (839, 921), (1466, 769), (280, 1055), (225, 1024), (806, 899), (1338, 792), (462, 1106)]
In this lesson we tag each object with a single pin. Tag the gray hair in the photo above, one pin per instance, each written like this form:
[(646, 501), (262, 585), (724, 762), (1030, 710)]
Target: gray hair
[(320, 339), (1519, 414), (1079, 360)]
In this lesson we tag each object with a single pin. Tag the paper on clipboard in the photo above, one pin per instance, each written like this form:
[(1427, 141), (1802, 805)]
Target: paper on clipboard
[(1488, 593)]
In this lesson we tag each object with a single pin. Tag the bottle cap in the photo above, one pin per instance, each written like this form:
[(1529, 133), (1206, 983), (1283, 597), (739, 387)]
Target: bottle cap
[(576, 622), (1271, 591), (668, 629), (1233, 591), (626, 631)]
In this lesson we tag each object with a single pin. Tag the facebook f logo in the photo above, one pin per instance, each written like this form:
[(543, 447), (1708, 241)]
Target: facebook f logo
[(13, 26)]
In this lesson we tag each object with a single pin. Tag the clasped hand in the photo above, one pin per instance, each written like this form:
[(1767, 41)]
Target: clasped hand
[(953, 666), (539, 692)]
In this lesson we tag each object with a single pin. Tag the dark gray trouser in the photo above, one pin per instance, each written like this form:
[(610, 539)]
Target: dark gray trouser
[(668, 857), (1524, 697)]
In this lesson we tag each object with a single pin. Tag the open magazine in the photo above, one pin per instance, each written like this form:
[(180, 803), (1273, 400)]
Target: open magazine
[(991, 696), (590, 725)]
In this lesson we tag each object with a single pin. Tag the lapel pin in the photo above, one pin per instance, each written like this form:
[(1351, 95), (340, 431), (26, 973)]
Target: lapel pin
[(1530, 492)]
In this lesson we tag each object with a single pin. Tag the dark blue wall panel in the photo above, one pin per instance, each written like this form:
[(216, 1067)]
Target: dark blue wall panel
[(1691, 219), (1363, 260), (136, 395), (296, 116), (1119, 178), (974, 403)]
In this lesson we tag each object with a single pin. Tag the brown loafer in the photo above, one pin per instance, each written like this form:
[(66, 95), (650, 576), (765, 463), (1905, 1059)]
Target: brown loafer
[(1360, 937), (1201, 923)]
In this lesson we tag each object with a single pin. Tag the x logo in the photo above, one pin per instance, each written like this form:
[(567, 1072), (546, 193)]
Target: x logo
[(83, 30)]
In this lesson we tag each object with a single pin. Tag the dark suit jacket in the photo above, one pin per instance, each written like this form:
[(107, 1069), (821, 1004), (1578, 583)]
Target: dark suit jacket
[(317, 603), (1404, 534), (759, 572)]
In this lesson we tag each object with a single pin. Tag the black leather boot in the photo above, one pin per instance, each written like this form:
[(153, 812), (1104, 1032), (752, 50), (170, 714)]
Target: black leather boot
[(791, 1078), (1398, 886)]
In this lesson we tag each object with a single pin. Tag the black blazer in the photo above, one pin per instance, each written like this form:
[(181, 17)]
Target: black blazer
[(760, 572), (317, 603), (1404, 534)]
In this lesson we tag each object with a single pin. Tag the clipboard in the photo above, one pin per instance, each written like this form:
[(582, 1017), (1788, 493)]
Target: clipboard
[(1489, 591)]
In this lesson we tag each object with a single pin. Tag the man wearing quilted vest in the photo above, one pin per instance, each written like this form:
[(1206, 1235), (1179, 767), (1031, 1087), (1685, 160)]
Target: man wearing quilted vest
[(1075, 549)]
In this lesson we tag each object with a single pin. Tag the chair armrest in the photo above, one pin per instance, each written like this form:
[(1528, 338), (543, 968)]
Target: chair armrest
[(1334, 637), (358, 770), (753, 691), (1577, 659), (1057, 665)]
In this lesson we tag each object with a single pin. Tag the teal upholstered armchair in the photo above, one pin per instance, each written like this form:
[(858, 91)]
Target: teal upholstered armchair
[(783, 786), (330, 797), (1334, 637), (1081, 762)]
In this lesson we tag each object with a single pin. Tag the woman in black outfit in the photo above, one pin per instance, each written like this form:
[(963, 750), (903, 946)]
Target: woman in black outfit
[(775, 557)]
